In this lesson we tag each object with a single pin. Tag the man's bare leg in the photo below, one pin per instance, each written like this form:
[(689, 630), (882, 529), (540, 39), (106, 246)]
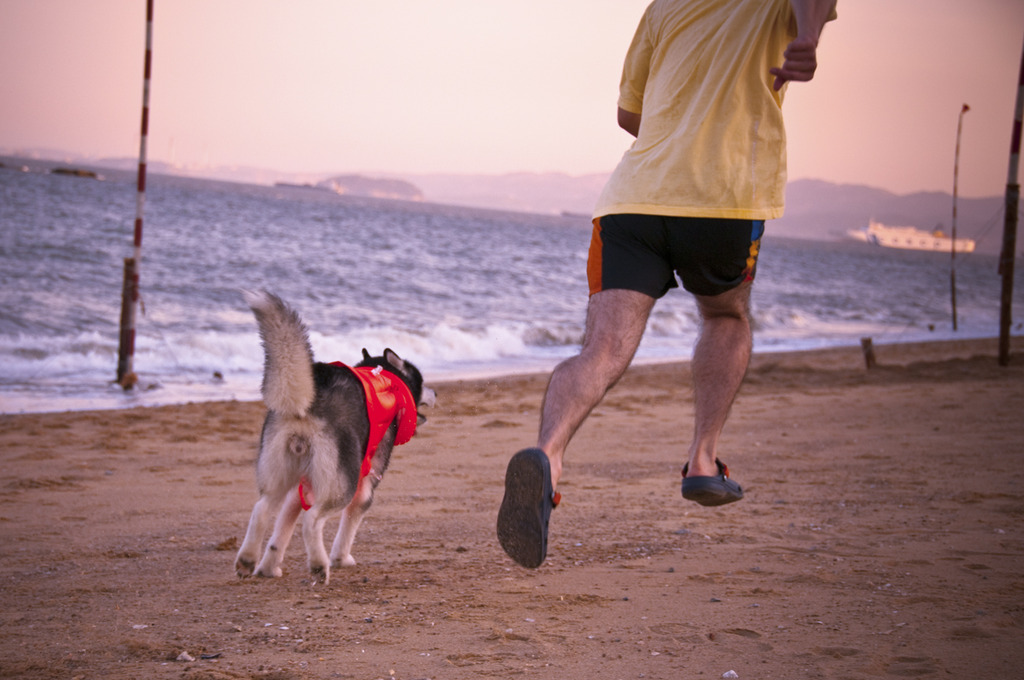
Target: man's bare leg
[(720, 361), (615, 323), (616, 320)]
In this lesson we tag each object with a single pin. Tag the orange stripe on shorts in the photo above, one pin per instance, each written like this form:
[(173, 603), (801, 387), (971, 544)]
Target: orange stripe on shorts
[(595, 259), (748, 272)]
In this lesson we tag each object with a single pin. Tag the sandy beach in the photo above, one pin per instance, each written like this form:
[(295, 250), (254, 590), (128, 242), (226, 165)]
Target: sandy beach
[(881, 536)]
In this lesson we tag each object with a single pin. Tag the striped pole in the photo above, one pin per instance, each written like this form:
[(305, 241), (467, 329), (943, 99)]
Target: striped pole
[(130, 291), (1008, 254)]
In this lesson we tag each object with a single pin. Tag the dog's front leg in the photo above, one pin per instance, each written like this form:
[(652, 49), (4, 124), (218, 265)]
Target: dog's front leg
[(351, 518), (313, 536), (245, 562)]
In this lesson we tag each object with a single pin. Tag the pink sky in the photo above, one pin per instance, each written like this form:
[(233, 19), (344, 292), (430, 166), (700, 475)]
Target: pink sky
[(330, 86)]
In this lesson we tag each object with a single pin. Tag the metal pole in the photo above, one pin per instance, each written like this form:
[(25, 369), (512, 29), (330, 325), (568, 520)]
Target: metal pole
[(130, 292), (1009, 250), (952, 248)]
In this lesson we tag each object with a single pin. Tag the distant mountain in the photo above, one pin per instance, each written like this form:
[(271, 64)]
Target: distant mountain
[(224, 173), (358, 185), (551, 192), (825, 211), (815, 209)]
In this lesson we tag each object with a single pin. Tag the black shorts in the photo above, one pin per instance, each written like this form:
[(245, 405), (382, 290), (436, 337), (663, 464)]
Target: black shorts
[(642, 253)]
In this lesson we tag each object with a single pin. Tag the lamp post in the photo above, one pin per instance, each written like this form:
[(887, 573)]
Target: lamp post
[(952, 250)]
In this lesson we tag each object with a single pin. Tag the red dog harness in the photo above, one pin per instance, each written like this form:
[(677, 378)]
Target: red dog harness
[(387, 399)]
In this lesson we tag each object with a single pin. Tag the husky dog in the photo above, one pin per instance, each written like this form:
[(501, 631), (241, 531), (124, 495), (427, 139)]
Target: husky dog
[(326, 440)]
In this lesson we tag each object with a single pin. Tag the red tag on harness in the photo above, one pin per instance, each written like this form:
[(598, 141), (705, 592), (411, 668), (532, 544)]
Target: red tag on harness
[(306, 504)]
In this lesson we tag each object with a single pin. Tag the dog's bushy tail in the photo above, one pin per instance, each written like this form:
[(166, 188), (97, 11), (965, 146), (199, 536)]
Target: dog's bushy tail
[(288, 369)]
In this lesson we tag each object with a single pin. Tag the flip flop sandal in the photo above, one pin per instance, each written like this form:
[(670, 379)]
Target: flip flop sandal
[(526, 508), (711, 491)]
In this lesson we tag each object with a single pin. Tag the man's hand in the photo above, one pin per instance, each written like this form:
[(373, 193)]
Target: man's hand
[(801, 62)]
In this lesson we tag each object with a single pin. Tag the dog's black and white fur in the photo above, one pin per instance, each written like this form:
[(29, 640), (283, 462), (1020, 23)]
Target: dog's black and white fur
[(315, 433)]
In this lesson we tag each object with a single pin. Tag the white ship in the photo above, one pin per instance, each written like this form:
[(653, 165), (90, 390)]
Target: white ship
[(911, 238)]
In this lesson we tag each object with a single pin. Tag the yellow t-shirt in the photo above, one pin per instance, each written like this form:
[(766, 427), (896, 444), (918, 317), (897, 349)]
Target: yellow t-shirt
[(712, 141)]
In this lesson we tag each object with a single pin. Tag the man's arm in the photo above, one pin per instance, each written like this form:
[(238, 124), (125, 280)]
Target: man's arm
[(801, 54), (629, 121)]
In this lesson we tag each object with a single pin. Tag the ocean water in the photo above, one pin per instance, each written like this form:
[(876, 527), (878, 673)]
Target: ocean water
[(462, 292)]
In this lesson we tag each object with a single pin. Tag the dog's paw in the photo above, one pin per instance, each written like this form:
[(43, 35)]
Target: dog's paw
[(320, 573), (244, 567), (270, 572), (346, 561)]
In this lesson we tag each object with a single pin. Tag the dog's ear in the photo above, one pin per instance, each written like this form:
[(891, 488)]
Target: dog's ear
[(366, 355), (394, 359)]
